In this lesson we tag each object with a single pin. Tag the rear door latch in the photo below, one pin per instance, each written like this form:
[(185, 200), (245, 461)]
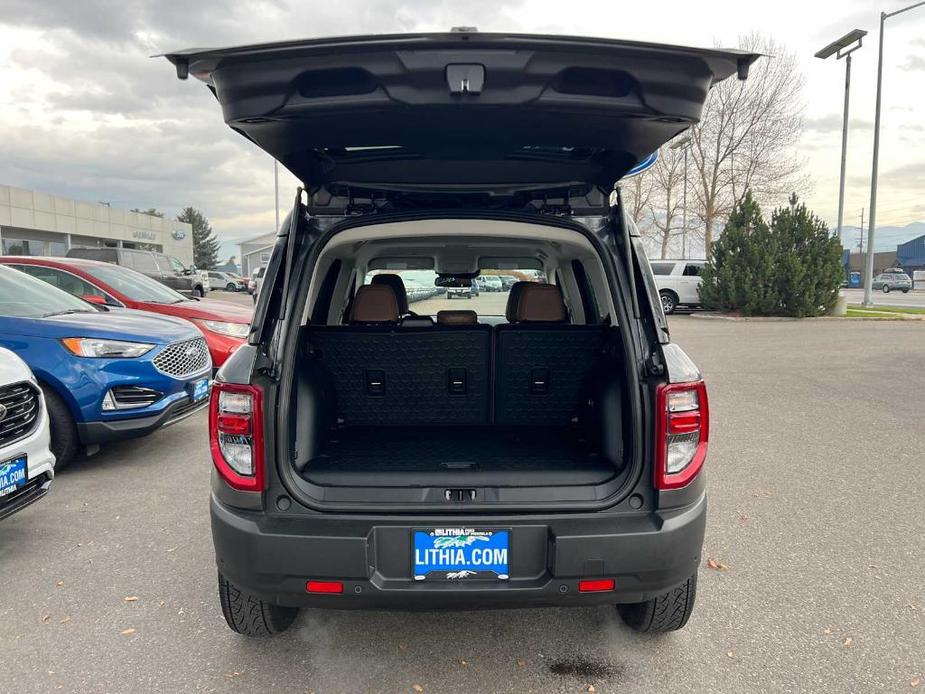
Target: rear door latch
[(459, 495), (465, 79)]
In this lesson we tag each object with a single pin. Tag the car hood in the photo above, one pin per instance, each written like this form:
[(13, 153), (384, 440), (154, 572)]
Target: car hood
[(123, 324), (206, 309), (12, 368), (473, 113)]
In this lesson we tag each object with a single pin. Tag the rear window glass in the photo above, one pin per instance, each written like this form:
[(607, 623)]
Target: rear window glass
[(662, 268)]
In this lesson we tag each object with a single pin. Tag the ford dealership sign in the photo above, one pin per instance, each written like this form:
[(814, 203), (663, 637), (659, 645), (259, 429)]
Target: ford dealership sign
[(179, 234)]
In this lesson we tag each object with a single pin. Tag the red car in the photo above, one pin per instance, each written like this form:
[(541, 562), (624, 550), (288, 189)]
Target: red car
[(224, 325)]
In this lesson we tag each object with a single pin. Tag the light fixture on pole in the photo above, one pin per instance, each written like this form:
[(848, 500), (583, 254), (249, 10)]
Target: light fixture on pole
[(685, 143), (872, 219), (843, 48)]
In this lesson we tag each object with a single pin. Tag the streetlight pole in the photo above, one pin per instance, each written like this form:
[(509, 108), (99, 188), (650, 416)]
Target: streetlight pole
[(872, 219), (843, 48), (684, 142)]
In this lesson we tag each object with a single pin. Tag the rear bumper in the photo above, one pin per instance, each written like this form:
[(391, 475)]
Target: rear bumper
[(121, 429), (273, 557)]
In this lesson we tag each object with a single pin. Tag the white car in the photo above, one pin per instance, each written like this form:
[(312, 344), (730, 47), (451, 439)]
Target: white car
[(27, 466), (678, 282)]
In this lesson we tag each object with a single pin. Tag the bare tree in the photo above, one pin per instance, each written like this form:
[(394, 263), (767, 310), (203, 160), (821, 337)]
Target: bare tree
[(637, 192), (747, 136), (666, 199)]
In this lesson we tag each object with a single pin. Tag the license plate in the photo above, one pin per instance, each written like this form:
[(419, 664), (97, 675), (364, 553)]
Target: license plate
[(460, 553), (199, 389), (13, 475)]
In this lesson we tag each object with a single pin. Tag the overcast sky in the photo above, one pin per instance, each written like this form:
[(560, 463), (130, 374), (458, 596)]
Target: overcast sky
[(85, 112)]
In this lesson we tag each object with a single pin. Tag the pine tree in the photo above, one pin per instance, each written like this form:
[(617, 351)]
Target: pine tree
[(205, 245)]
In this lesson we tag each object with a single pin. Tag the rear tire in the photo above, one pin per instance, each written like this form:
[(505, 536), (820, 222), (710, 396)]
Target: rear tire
[(667, 612), (886, 289), (249, 615), (65, 441), (669, 302)]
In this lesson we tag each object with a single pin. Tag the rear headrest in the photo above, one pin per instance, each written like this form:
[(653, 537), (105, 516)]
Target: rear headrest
[(395, 282), (513, 299), (463, 317), (374, 303), (541, 303)]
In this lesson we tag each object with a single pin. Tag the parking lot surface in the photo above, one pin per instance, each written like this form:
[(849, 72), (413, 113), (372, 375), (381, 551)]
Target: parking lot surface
[(816, 484), (915, 298)]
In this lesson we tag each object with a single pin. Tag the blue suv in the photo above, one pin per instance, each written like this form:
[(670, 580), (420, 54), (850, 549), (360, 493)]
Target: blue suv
[(107, 374)]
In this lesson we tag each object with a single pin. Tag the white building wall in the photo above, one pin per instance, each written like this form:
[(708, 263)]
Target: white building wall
[(31, 214)]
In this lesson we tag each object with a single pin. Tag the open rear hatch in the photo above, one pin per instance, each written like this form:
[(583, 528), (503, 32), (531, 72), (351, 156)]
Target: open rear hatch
[(461, 111)]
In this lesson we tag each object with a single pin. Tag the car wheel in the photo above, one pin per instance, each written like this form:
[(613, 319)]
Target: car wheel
[(64, 439), (905, 291), (666, 612), (199, 292), (886, 289), (249, 615), (230, 287), (669, 302)]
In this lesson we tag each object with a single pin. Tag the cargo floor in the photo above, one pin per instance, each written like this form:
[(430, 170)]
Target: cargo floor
[(457, 456)]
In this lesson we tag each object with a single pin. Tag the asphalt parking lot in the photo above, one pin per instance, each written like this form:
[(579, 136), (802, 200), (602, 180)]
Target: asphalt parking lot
[(815, 476)]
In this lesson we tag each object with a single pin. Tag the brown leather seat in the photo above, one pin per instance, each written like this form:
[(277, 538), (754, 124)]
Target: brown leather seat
[(537, 303), (513, 299), (374, 304), (463, 317), (397, 285)]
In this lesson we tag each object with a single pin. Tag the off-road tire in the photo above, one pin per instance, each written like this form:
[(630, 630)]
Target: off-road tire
[(669, 301), (249, 615), (667, 612), (65, 442)]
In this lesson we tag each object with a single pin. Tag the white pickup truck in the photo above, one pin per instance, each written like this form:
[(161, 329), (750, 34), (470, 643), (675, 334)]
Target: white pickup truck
[(678, 282)]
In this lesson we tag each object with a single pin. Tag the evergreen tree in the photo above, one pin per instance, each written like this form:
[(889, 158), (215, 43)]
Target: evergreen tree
[(792, 267), (205, 245)]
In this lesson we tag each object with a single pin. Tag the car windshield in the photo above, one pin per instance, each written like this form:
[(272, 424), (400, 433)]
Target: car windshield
[(22, 296), (487, 296), (134, 285)]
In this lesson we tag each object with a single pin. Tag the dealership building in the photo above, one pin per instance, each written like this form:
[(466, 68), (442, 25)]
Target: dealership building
[(255, 252), (33, 223)]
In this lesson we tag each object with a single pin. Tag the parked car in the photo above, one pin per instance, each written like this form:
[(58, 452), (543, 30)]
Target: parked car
[(106, 374), (507, 281), (164, 268), (678, 282), (225, 325), (227, 281), (27, 465), (888, 281), (463, 292), (253, 285), (490, 283), (554, 459)]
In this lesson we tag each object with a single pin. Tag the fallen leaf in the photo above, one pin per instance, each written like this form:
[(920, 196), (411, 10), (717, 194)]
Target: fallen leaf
[(161, 603), (418, 688), (403, 646), (716, 565), (915, 682), (591, 688), (522, 663), (46, 618), (59, 583), (826, 631), (127, 632), (172, 549), (232, 675), (131, 598), (847, 642), (731, 654), (463, 662), (66, 620)]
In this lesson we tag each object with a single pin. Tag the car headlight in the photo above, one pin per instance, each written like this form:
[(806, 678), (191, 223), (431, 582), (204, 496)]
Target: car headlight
[(239, 330), (109, 349)]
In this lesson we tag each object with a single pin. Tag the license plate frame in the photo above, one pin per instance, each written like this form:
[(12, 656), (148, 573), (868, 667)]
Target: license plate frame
[(453, 554), (199, 390), (14, 473)]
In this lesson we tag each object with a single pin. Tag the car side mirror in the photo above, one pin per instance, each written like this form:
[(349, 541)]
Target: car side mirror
[(94, 299)]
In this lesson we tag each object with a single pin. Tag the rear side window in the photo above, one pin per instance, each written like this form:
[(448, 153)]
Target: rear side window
[(692, 270), (662, 268)]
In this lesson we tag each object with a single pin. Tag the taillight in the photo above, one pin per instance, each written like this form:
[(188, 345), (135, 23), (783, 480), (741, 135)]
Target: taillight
[(236, 435), (682, 432)]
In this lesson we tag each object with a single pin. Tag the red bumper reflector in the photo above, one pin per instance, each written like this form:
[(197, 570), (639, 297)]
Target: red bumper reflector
[(595, 585), (324, 587)]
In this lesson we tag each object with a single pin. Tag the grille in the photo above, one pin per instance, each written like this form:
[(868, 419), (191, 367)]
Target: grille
[(135, 396), (19, 411), (183, 359)]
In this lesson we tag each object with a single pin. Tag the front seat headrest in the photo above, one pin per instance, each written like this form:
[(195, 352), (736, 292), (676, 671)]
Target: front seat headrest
[(395, 282), (462, 317), (513, 298), (374, 303), (541, 303)]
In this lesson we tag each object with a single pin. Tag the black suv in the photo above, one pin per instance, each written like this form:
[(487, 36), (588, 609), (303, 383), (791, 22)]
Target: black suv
[(543, 448)]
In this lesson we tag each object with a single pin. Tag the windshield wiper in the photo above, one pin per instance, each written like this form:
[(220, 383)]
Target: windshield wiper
[(67, 312)]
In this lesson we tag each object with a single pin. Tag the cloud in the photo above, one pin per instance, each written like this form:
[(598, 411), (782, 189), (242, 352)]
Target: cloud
[(832, 122), (913, 63), (906, 177)]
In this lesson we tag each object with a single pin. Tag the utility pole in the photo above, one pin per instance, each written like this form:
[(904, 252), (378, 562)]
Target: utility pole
[(861, 239)]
